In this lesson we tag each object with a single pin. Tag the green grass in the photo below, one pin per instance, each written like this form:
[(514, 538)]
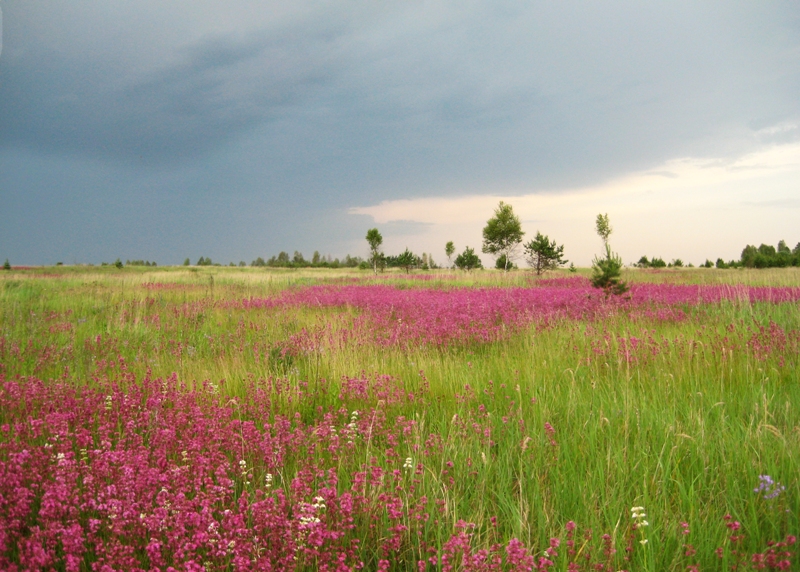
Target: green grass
[(684, 432)]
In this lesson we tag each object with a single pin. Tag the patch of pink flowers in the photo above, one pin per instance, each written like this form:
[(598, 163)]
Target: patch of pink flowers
[(412, 316), (160, 476)]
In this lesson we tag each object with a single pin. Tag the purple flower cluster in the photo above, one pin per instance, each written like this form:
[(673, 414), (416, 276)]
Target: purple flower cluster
[(768, 488), (390, 315)]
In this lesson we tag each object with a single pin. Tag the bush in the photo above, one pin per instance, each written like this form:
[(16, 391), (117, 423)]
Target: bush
[(607, 273), (503, 263), (658, 262), (468, 260), (544, 254), (6, 265)]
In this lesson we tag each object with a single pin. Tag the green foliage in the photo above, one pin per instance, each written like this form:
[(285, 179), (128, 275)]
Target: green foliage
[(502, 233), (607, 272), (543, 254), (656, 262), (406, 260), (707, 264), (375, 240), (603, 227), (767, 256), (502, 263), (139, 263), (468, 260), (676, 262), (187, 262), (6, 265), (117, 263), (572, 267), (449, 250)]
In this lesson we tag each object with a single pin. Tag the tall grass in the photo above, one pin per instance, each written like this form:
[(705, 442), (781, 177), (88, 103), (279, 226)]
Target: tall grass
[(524, 449)]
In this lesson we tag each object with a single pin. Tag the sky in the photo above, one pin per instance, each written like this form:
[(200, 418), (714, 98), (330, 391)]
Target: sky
[(160, 130)]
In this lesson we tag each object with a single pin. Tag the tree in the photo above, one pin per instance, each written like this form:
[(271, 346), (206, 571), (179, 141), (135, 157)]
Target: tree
[(603, 226), (375, 240), (6, 265), (450, 250), (658, 262), (468, 260), (187, 262), (502, 263), (542, 254), (607, 271), (502, 234), (407, 260), (117, 263)]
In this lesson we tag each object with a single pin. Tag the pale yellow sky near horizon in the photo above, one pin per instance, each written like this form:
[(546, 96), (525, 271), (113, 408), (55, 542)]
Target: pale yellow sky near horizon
[(687, 208)]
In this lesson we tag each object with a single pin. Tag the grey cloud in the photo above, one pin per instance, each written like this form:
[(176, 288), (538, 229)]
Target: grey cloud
[(219, 88), (286, 109)]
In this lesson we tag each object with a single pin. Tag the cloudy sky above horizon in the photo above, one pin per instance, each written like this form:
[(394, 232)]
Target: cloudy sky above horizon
[(160, 130)]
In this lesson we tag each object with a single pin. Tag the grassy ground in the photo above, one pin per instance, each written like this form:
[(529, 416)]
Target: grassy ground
[(549, 434)]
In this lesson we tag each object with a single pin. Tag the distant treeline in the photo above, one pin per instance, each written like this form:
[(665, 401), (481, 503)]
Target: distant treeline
[(407, 260), (764, 256), (282, 260)]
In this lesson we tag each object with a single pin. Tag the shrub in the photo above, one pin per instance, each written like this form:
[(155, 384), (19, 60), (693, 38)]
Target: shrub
[(503, 263), (544, 254), (606, 273), (468, 260)]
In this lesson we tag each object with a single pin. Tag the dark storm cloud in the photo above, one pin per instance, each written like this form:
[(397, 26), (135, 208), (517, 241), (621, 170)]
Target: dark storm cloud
[(293, 110), (218, 88)]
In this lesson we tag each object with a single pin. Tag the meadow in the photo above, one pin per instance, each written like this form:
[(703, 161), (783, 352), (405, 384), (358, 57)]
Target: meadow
[(261, 419)]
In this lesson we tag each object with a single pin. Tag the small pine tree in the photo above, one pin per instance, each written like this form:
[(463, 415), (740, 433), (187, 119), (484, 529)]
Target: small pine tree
[(544, 254), (607, 271), (6, 265), (468, 260)]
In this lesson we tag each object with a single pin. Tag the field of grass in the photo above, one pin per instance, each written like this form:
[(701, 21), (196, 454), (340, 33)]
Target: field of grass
[(240, 418)]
